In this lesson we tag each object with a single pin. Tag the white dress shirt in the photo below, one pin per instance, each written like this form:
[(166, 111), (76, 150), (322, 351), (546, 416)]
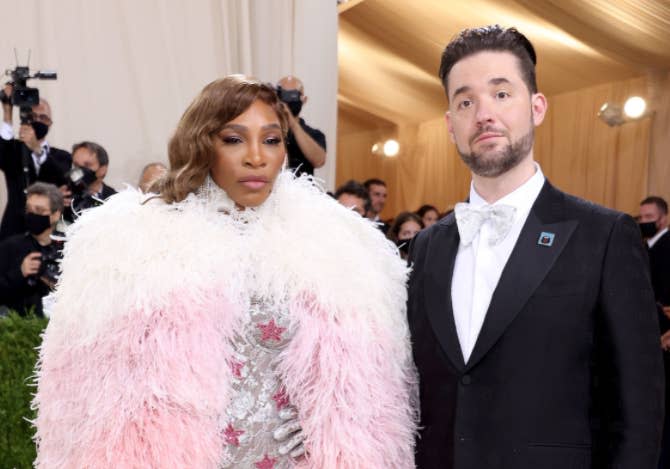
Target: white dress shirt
[(7, 133), (651, 241), (478, 266)]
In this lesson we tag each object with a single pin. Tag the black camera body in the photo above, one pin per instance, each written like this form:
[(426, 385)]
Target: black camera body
[(50, 258), (25, 97)]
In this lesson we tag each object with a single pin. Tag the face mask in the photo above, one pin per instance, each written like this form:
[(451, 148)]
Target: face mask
[(403, 245), (41, 129), (36, 224), (80, 178), (648, 229)]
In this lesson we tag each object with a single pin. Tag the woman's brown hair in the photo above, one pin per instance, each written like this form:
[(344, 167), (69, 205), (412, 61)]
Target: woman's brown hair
[(191, 148)]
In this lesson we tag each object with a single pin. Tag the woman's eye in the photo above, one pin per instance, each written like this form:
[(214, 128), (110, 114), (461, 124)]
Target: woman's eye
[(231, 139), (273, 140)]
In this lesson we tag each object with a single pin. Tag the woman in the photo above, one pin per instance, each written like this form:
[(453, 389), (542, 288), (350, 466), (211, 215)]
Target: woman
[(405, 226), (186, 325), (429, 215)]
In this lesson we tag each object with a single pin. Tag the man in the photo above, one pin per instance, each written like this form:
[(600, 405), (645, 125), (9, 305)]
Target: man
[(26, 160), (86, 187), (28, 262), (654, 228), (377, 193), (531, 311), (305, 145), (150, 174), (352, 194)]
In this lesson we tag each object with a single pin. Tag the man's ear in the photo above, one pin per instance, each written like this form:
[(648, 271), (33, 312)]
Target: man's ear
[(538, 106)]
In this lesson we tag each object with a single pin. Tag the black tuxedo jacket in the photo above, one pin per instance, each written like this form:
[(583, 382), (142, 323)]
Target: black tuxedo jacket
[(17, 164), (566, 371)]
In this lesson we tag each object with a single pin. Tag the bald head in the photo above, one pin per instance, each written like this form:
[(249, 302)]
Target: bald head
[(291, 83)]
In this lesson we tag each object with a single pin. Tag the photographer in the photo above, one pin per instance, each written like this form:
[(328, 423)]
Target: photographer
[(86, 188), (26, 160), (305, 145), (29, 261)]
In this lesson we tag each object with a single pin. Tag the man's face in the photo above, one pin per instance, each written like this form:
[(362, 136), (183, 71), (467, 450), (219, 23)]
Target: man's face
[(351, 201), (39, 205), (377, 197), (492, 115), (42, 113), (651, 213), (85, 158)]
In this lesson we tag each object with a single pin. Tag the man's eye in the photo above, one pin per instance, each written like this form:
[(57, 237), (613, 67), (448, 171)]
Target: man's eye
[(466, 103), (502, 95)]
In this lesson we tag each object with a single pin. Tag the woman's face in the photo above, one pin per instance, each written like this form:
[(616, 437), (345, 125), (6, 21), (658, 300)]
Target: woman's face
[(408, 230), (249, 155), (429, 218)]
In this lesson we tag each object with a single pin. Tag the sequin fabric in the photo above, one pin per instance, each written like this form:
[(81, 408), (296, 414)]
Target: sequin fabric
[(257, 392)]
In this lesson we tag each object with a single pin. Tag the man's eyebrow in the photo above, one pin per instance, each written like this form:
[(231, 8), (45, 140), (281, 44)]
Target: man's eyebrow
[(492, 81)]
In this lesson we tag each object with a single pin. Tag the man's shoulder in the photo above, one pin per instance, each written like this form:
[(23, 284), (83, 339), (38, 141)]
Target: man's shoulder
[(60, 154), (13, 242), (583, 209)]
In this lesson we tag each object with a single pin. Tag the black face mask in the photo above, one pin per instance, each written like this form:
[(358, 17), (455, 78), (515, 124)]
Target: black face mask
[(41, 129), (403, 245), (36, 224), (648, 229), (79, 178)]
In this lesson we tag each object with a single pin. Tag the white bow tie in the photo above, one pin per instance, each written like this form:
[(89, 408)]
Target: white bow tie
[(471, 219)]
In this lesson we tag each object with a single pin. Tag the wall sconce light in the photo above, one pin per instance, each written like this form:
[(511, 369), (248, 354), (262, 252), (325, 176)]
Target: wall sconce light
[(613, 115), (388, 148)]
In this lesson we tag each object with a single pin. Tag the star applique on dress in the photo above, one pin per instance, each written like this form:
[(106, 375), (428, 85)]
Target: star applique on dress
[(281, 398), (270, 331), (232, 435), (266, 463)]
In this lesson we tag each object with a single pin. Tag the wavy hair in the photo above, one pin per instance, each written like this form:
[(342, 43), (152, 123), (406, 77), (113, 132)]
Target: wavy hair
[(191, 149)]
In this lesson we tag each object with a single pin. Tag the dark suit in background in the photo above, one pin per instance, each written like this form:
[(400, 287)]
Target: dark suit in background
[(566, 371), (17, 164)]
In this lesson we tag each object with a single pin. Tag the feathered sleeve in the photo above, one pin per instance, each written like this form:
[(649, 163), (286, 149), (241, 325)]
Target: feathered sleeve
[(348, 369), (124, 381)]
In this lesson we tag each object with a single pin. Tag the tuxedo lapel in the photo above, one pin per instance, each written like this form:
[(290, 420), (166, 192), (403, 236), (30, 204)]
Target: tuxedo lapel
[(528, 265), (440, 260)]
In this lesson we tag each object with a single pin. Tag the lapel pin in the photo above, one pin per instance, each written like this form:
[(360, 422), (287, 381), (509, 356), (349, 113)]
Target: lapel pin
[(546, 239)]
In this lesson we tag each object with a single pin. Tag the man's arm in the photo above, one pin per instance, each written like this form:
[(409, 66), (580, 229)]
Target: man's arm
[(630, 369), (315, 153)]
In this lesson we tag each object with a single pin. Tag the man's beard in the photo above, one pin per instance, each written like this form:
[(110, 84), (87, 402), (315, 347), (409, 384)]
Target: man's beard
[(499, 162)]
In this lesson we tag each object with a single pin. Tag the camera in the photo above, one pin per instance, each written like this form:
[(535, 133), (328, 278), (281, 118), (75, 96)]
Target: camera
[(78, 179), (50, 258), (23, 96)]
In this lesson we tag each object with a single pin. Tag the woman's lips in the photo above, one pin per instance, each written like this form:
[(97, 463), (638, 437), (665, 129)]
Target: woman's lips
[(254, 183)]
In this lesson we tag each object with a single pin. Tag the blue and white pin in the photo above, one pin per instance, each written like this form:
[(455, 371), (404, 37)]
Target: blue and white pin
[(546, 239)]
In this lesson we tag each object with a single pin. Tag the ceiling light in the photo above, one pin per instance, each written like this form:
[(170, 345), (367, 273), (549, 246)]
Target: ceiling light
[(634, 107), (391, 147), (611, 114)]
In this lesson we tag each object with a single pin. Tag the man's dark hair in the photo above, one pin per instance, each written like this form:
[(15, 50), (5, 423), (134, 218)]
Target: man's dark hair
[(99, 152), (352, 188), (50, 191), (658, 201), (490, 38), (373, 182)]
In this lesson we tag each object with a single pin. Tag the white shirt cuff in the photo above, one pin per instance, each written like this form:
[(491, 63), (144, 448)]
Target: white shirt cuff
[(6, 131)]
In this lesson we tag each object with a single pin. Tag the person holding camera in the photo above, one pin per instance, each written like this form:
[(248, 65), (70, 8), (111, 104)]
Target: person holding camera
[(85, 187), (306, 146), (27, 159), (29, 261)]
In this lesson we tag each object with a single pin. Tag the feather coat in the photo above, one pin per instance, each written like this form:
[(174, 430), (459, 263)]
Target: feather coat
[(134, 365)]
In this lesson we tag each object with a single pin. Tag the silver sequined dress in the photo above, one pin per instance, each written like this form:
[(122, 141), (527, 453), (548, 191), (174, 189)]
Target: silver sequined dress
[(257, 392)]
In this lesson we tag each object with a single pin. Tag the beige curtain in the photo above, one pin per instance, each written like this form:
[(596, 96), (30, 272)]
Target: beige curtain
[(577, 151), (128, 69)]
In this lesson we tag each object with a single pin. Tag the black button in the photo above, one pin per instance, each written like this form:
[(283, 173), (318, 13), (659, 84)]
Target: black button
[(466, 379)]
